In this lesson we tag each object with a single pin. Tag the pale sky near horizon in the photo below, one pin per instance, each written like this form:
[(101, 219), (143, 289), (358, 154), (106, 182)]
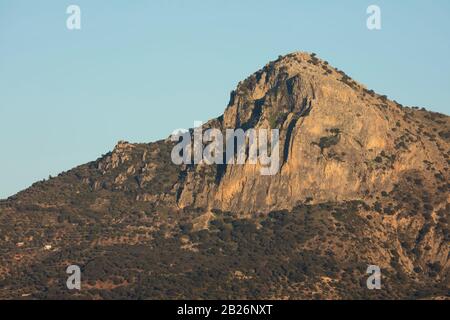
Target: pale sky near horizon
[(138, 69)]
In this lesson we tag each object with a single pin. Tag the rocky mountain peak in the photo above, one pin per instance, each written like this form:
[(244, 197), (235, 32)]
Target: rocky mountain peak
[(288, 85), (338, 139), (361, 180)]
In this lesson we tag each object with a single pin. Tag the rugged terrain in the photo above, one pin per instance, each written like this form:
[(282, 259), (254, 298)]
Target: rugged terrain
[(363, 181)]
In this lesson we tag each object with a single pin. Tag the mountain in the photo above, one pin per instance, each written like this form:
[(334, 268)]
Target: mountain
[(362, 181)]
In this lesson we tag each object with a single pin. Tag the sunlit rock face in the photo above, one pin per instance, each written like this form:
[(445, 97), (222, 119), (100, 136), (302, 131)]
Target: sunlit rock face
[(338, 141)]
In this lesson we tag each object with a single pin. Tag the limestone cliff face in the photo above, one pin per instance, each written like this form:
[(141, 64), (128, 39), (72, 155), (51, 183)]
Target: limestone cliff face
[(338, 141)]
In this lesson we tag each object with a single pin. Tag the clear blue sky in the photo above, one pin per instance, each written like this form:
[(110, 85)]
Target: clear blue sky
[(139, 69)]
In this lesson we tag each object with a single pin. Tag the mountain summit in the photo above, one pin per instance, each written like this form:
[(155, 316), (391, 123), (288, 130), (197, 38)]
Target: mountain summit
[(362, 181)]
